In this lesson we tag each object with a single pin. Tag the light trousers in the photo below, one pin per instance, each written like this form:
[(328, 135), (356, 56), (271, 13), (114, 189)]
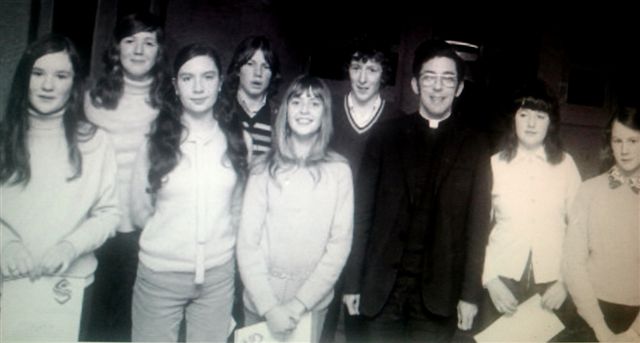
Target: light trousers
[(162, 299)]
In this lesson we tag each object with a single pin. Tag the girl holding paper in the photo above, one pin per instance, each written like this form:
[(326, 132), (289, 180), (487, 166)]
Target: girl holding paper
[(297, 218), (534, 183), (57, 171)]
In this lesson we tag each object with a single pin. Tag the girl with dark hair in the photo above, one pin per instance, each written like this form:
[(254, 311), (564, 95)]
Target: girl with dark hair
[(57, 172), (252, 80), (602, 248), (298, 202), (124, 101), (534, 183), (186, 186)]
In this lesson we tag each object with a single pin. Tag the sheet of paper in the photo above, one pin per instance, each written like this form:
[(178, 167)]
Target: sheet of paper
[(259, 333), (47, 309), (531, 323)]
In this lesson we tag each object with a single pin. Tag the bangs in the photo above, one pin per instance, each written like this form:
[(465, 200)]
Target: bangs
[(307, 86), (536, 105)]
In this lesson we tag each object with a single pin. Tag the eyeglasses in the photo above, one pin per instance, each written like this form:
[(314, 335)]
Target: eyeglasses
[(429, 80)]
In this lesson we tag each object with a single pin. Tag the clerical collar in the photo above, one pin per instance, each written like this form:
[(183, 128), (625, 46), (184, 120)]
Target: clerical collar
[(434, 123)]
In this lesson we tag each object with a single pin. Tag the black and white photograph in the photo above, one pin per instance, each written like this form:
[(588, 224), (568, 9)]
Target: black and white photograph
[(246, 171)]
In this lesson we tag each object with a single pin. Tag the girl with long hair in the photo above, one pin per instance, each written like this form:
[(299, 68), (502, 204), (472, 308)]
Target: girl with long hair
[(298, 203), (186, 183), (57, 172), (124, 101)]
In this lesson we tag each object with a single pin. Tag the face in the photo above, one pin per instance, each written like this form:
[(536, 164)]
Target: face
[(437, 86), (255, 75), (304, 114), (366, 78), (138, 54), (531, 127), (197, 84), (625, 143), (50, 82)]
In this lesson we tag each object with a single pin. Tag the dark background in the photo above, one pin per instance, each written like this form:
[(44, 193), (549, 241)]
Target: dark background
[(587, 55)]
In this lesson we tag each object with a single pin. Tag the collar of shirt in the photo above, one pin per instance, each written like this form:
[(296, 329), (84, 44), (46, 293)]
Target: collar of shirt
[(524, 155), (244, 103), (363, 116), (434, 123)]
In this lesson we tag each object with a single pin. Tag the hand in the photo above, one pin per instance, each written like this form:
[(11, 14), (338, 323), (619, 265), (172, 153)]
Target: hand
[(57, 259), (295, 308), (279, 321), (554, 297), (466, 313), (502, 298), (17, 262), (352, 301)]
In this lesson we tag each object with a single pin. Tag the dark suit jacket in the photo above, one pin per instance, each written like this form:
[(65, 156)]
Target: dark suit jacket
[(390, 193)]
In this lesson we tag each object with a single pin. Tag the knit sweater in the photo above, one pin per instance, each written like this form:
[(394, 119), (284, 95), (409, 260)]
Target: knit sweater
[(295, 235), (188, 226), (602, 248), (348, 139), (50, 208), (127, 125)]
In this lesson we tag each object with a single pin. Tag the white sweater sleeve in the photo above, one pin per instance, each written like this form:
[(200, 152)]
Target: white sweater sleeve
[(140, 205), (104, 215), (326, 273), (251, 259)]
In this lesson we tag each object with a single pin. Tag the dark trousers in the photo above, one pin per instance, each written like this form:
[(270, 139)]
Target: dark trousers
[(404, 317), (113, 289), (336, 312), (617, 316), (523, 290)]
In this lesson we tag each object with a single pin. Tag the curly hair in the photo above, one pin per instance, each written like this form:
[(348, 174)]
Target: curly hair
[(14, 152), (167, 130), (108, 90)]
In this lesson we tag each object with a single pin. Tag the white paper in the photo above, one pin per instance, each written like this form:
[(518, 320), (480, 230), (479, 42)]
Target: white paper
[(259, 333), (531, 323), (47, 309)]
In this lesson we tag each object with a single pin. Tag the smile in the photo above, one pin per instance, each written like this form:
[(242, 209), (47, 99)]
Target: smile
[(199, 101), (46, 97), (304, 121)]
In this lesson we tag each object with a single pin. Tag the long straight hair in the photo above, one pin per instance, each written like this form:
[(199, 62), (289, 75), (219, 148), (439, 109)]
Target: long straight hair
[(281, 157), (14, 152), (167, 130), (109, 88)]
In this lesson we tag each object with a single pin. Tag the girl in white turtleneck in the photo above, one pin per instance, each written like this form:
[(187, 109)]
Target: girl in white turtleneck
[(124, 101), (57, 172)]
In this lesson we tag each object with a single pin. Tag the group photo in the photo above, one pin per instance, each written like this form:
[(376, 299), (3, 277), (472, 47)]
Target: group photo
[(278, 171)]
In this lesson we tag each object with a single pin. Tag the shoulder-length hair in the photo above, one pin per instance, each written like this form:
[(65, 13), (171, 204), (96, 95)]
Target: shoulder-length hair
[(281, 156), (108, 90), (625, 115), (167, 130), (534, 95), (14, 152), (243, 53)]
